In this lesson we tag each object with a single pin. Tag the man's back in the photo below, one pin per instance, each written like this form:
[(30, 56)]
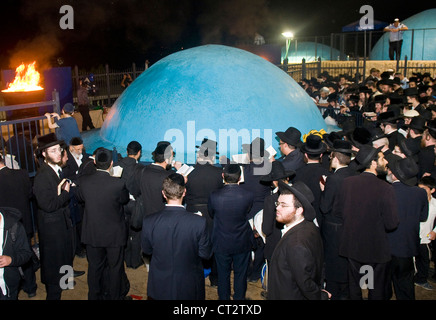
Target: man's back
[(230, 207), (103, 221), (177, 240), (201, 182), (151, 188), (369, 211)]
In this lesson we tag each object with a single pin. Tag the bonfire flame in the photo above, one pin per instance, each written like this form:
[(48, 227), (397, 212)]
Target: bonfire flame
[(26, 79)]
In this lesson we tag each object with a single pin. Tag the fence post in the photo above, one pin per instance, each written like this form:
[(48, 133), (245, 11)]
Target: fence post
[(108, 86), (303, 69), (405, 66), (319, 66), (76, 73), (411, 44), (331, 46), (134, 70), (357, 70), (57, 103)]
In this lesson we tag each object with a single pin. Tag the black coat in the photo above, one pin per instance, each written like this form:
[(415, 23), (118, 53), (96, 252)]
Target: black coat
[(310, 174), (177, 241), (104, 223), (335, 266), (201, 182), (229, 208), (55, 228), (15, 246), (369, 211), (295, 271), (271, 228), (412, 209), (16, 192), (293, 161), (150, 182)]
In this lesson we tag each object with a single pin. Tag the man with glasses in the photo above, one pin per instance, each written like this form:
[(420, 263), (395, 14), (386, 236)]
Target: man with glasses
[(55, 229), (296, 266)]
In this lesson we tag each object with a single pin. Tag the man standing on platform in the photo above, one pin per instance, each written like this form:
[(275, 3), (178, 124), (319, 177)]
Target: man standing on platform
[(396, 30)]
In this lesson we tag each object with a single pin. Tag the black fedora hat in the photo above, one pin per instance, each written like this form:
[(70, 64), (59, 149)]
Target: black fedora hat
[(431, 127), (208, 148), (342, 146), (417, 123), (410, 92), (377, 133), (313, 145), (410, 147), (256, 148), (388, 117), (405, 169), (329, 138), (47, 141), (359, 136), (163, 148), (303, 193), (380, 98), (278, 172), (366, 154), (291, 136)]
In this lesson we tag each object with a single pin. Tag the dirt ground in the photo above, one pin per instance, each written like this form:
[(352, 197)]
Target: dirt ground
[(138, 286)]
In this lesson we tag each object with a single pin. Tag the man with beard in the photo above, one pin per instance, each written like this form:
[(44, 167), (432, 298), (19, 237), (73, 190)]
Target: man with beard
[(369, 211), (55, 228)]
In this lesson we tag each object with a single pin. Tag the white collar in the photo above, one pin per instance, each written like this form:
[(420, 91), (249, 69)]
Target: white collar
[(174, 205), (286, 228), (55, 167)]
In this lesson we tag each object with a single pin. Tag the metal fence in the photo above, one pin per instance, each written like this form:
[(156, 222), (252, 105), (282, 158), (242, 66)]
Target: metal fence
[(104, 83), (19, 137)]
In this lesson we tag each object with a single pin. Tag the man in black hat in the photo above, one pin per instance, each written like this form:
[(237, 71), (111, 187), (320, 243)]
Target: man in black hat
[(290, 143), (150, 181), (131, 168), (55, 229), (426, 156), (104, 228), (412, 96), (296, 268), (388, 123), (313, 171), (404, 241), (335, 265), (368, 209), (270, 227), (205, 178)]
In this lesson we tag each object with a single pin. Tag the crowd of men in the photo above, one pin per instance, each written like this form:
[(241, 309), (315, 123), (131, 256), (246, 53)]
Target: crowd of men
[(329, 206)]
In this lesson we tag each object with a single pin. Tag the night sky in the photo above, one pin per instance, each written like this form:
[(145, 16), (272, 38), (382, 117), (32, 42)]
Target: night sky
[(119, 32)]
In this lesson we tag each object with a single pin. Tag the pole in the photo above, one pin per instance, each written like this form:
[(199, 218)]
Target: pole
[(108, 86)]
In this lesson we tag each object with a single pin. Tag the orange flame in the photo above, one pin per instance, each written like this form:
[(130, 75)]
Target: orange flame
[(26, 79)]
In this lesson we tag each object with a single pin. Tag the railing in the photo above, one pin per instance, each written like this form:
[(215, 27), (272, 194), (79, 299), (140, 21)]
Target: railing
[(19, 137)]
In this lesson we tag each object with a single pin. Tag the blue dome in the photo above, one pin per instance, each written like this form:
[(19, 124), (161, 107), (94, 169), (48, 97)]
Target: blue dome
[(310, 51), (226, 94), (424, 41)]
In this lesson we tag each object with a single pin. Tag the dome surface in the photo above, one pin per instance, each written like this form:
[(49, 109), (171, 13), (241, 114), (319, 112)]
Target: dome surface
[(226, 94)]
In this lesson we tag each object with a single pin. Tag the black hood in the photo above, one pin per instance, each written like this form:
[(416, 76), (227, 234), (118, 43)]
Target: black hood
[(11, 216)]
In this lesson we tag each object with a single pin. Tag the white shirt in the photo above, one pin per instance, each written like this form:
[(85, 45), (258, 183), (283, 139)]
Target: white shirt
[(286, 228), (426, 227), (2, 270), (55, 167)]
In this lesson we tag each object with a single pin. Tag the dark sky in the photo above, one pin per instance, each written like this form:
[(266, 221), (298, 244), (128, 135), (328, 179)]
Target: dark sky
[(120, 32)]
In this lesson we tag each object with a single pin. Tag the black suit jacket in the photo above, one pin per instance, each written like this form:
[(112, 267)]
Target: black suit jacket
[(16, 192), (295, 271), (230, 207), (177, 241), (72, 170), (310, 174), (104, 223), (369, 210), (150, 183), (271, 228), (55, 229)]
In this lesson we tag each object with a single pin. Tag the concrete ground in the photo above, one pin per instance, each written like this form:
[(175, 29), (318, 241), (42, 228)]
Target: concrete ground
[(138, 286)]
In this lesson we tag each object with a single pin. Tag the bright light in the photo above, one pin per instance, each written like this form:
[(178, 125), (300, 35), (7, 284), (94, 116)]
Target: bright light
[(288, 34)]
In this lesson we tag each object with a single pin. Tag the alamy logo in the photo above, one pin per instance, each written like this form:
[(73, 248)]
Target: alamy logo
[(367, 21), (367, 280), (67, 280), (67, 20)]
